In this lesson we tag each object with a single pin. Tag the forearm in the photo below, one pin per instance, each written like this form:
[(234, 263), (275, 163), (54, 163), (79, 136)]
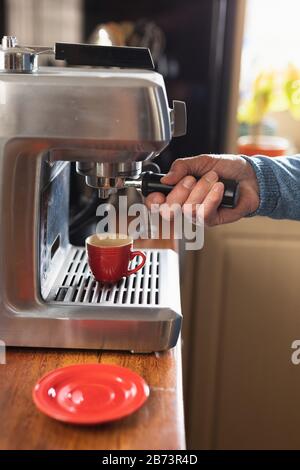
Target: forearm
[(279, 186)]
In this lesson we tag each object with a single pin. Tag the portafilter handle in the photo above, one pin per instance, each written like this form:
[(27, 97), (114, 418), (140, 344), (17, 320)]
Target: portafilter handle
[(151, 182)]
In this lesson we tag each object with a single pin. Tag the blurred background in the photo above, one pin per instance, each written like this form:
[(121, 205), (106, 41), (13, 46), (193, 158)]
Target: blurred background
[(236, 64)]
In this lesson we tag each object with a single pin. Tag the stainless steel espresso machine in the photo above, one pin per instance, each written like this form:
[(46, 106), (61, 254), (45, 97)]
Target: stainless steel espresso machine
[(108, 113)]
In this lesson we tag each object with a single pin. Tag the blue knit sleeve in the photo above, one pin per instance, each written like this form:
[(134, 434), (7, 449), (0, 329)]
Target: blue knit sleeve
[(279, 186)]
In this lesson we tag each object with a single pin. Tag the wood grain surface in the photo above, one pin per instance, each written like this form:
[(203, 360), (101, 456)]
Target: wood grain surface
[(159, 424)]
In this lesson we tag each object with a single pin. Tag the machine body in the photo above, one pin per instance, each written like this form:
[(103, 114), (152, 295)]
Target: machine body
[(108, 120)]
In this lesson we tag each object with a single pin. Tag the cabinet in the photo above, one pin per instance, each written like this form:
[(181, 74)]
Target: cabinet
[(241, 304)]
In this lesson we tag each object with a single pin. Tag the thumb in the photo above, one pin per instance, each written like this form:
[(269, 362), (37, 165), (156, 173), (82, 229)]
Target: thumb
[(195, 166)]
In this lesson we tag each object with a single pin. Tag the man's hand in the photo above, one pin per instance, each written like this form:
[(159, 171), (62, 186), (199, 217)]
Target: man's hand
[(208, 191)]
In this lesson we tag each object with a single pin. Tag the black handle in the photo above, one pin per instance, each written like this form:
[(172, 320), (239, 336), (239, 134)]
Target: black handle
[(151, 183), (104, 56)]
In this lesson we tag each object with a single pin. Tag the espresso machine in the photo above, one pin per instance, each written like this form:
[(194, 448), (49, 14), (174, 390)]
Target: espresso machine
[(108, 112)]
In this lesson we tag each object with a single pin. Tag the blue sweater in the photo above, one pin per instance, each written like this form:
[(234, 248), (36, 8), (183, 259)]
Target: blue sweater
[(279, 186)]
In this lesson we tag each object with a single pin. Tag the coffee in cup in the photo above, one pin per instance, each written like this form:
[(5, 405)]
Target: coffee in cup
[(109, 256)]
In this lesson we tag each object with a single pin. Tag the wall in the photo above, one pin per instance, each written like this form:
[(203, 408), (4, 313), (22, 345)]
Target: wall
[(288, 127), (42, 22)]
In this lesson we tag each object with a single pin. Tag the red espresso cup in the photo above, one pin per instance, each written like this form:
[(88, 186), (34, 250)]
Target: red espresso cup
[(109, 256)]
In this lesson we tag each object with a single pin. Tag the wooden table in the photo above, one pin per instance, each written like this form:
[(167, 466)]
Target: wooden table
[(159, 424)]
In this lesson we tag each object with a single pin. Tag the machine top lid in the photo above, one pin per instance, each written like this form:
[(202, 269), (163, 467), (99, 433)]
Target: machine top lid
[(15, 58)]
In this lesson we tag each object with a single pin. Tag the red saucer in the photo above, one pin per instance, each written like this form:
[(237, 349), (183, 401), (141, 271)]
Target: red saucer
[(90, 393)]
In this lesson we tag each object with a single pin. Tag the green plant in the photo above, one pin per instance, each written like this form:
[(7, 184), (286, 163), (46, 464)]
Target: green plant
[(272, 91)]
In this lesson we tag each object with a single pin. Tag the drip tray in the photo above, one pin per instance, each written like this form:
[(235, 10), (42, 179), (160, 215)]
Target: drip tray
[(75, 285), (141, 313)]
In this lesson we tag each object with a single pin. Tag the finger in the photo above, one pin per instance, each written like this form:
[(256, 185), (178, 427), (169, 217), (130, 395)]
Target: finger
[(243, 208), (155, 199), (211, 204), (177, 197), (207, 211), (189, 166), (202, 188), (225, 215), (181, 191)]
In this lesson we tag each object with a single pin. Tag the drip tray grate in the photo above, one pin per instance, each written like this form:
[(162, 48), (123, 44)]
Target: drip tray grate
[(76, 285)]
